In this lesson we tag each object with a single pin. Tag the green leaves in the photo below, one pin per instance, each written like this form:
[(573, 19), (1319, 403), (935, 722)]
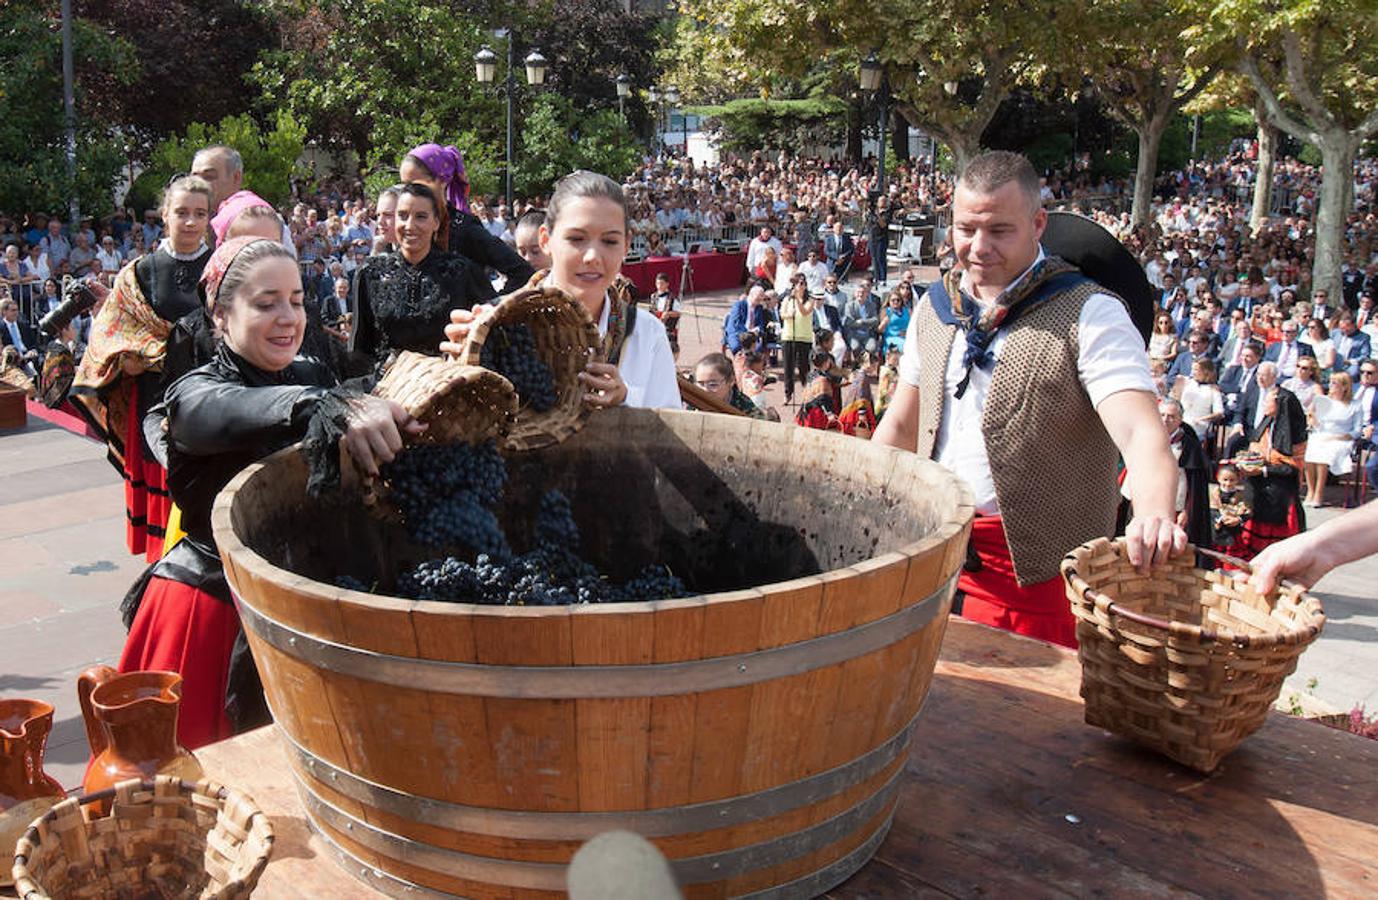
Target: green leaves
[(559, 138), (33, 173)]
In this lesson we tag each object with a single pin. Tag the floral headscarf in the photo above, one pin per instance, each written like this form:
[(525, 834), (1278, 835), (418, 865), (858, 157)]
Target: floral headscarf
[(220, 262)]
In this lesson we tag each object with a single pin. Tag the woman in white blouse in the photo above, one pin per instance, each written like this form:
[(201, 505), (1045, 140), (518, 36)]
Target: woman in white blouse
[(585, 236), (1202, 403), (1304, 383)]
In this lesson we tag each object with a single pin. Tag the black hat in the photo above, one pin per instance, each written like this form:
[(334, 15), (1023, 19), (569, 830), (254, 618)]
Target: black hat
[(1102, 258)]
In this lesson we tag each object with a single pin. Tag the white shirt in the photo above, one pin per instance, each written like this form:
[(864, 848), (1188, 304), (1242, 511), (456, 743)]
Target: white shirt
[(1287, 358), (1111, 358), (110, 260), (1199, 403), (814, 275), (647, 366), (1364, 398), (757, 248), (1261, 406), (39, 266)]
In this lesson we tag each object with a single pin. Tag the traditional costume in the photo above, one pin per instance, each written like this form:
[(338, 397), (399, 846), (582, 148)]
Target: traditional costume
[(1229, 511), (461, 231), (221, 417), (634, 340), (1274, 494), (400, 306), (1007, 400), (821, 403), (134, 323), (1193, 487)]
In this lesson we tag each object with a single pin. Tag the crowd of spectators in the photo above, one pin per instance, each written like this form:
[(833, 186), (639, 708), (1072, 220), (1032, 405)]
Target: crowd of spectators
[(1228, 294)]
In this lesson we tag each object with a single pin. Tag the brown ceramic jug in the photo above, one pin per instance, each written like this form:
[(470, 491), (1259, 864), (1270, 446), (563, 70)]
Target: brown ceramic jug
[(131, 722), (26, 792)]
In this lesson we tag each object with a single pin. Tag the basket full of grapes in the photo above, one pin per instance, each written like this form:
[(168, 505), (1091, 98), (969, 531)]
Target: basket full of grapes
[(539, 339), (457, 402)]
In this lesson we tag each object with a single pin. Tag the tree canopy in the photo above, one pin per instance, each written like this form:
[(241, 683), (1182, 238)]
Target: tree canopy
[(33, 173)]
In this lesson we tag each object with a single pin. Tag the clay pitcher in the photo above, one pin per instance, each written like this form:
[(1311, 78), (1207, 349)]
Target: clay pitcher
[(26, 791), (131, 722)]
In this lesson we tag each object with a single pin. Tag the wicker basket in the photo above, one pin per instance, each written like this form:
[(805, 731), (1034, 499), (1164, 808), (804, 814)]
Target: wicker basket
[(1183, 660), (457, 402), (565, 338), (164, 838)]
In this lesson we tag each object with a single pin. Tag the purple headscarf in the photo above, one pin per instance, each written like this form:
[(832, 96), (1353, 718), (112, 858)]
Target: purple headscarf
[(447, 164)]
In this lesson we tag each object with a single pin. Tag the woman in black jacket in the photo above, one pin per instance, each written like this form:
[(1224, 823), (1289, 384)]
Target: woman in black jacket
[(253, 398), (402, 300), (442, 170)]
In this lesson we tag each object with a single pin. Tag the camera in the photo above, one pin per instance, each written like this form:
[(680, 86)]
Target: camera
[(77, 299)]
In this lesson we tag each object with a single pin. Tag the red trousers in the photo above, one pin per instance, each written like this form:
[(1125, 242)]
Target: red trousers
[(993, 597)]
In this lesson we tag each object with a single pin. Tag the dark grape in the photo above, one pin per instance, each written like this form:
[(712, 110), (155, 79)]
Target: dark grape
[(444, 490), (555, 525), (446, 494), (510, 350), (350, 583)]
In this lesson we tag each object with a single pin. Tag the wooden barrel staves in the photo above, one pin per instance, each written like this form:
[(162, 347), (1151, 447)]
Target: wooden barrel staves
[(755, 732)]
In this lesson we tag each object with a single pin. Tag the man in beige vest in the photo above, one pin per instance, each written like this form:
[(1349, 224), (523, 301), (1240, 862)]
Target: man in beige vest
[(1029, 381)]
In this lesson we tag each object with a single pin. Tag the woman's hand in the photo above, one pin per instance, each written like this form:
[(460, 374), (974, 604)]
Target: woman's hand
[(603, 385), (457, 332), (374, 429)]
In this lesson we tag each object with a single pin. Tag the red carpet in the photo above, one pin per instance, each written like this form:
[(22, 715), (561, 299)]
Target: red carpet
[(63, 417)]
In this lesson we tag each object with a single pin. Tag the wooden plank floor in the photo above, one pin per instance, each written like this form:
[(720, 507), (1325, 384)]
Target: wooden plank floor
[(1009, 793)]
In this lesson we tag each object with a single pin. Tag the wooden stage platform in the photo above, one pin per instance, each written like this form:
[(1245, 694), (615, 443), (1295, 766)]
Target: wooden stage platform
[(1009, 793)]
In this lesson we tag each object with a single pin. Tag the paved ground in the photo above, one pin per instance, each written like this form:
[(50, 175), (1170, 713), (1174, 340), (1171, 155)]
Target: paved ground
[(64, 570)]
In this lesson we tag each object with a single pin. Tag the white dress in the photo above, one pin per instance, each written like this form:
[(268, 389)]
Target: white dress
[(1332, 438)]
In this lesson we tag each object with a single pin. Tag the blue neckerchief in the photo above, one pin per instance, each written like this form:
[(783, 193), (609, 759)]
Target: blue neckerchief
[(978, 340)]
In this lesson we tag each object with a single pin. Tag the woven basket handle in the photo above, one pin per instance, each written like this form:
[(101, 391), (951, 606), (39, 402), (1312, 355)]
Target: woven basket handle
[(1247, 566), (1181, 629)]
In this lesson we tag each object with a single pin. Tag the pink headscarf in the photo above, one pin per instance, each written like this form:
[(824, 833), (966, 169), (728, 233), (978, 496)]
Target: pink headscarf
[(447, 164), (234, 204)]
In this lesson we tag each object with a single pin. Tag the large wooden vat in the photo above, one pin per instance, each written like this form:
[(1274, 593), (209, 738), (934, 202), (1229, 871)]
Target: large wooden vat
[(755, 732)]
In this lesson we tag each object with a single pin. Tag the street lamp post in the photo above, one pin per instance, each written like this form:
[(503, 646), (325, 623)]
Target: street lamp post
[(69, 115), (624, 89), (874, 82), (671, 101), (654, 94), (485, 68)]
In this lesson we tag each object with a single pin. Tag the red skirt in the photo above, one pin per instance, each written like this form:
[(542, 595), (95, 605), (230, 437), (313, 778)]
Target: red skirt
[(182, 629), (1255, 536), (146, 500), (994, 597)]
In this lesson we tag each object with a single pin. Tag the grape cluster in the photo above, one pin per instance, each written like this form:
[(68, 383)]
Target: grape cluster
[(552, 573), (510, 350), (350, 583), (445, 491)]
